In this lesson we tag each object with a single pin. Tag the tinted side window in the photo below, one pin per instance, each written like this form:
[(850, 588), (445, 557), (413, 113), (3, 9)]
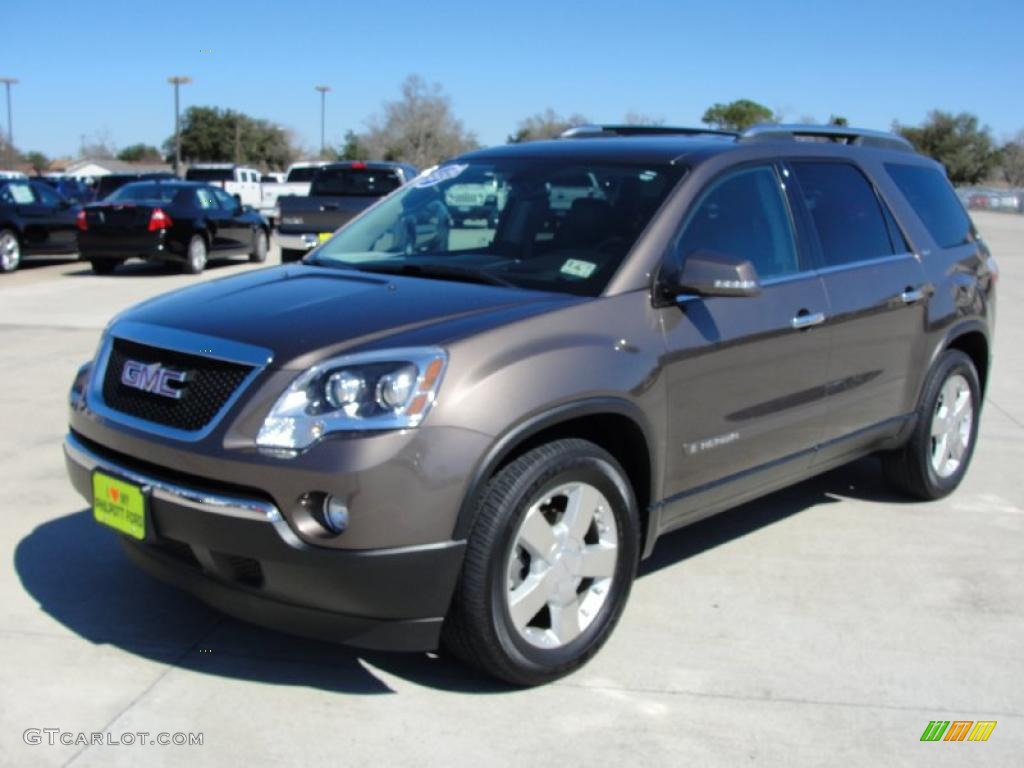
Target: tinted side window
[(226, 201), (744, 215), (934, 201), (47, 196), (846, 212)]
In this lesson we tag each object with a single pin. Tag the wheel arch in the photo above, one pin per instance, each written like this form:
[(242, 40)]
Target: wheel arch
[(971, 338), (614, 424)]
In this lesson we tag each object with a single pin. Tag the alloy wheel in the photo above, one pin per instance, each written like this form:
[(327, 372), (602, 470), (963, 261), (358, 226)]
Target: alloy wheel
[(952, 424), (562, 565)]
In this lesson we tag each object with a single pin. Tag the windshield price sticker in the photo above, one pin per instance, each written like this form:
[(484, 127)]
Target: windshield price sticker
[(444, 173), (578, 268)]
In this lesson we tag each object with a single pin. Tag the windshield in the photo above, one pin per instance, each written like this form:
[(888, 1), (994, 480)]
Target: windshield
[(541, 225), (303, 174), (356, 182), (145, 191), (210, 174)]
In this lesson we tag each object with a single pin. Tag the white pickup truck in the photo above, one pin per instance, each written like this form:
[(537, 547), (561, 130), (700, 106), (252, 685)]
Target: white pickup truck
[(296, 183), (233, 179)]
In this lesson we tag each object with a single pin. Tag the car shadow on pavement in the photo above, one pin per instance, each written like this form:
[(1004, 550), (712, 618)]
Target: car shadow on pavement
[(78, 574), (861, 480), (153, 268)]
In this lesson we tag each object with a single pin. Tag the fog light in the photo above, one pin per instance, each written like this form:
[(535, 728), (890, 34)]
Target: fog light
[(335, 514)]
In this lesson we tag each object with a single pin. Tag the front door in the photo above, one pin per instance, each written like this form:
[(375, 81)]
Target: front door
[(745, 376), (233, 234)]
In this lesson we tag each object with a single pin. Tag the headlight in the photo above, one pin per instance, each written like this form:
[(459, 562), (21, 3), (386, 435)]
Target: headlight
[(390, 389)]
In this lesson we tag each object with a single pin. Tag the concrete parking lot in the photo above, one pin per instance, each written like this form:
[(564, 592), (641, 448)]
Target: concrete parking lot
[(824, 625)]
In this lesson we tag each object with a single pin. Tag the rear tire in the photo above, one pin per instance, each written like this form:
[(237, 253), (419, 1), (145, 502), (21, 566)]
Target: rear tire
[(292, 254), (549, 564), (195, 256), (104, 266), (10, 250), (935, 458), (259, 247)]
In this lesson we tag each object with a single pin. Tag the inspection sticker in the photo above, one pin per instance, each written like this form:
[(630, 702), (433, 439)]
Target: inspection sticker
[(436, 176), (578, 268)]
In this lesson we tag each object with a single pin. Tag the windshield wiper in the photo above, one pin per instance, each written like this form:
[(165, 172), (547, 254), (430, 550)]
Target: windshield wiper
[(442, 271)]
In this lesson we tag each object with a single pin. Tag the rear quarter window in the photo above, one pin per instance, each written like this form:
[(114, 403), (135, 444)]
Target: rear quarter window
[(934, 201), (848, 216)]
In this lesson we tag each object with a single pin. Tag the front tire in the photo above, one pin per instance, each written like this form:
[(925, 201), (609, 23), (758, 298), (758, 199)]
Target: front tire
[(935, 458), (549, 564), (259, 247), (196, 256), (10, 250)]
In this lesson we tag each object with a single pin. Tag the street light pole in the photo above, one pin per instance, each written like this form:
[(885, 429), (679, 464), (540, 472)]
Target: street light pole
[(176, 82), (323, 96), (8, 82)]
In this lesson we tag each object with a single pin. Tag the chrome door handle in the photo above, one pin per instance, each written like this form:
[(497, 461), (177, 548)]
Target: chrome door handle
[(912, 295), (808, 320)]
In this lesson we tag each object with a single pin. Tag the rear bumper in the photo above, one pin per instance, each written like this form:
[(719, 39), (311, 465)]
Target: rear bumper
[(240, 556), (297, 241), (153, 245)]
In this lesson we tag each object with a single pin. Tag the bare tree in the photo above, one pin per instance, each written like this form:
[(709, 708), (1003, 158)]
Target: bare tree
[(544, 125), (98, 145), (641, 118), (419, 128)]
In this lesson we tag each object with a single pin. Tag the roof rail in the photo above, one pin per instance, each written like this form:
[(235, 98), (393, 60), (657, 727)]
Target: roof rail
[(839, 133), (589, 131)]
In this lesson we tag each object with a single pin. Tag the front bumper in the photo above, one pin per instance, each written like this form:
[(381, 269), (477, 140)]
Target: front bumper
[(239, 555)]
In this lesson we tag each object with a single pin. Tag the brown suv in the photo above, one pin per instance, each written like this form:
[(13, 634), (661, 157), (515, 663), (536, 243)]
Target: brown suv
[(471, 434)]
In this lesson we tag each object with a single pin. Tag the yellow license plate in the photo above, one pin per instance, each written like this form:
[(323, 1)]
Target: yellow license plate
[(118, 504), (325, 236)]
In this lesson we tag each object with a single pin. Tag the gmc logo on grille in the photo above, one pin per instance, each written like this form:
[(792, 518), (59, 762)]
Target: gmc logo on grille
[(153, 378)]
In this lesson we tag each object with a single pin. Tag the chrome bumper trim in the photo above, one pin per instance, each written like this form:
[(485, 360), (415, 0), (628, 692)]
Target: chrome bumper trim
[(214, 503), (297, 242)]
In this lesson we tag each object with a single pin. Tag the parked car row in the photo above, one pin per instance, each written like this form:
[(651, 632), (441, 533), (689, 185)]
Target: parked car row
[(987, 199), (158, 219)]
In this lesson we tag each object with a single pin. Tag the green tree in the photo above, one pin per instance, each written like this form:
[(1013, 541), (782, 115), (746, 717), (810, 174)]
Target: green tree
[(956, 141), (838, 120), (737, 115), (419, 128), (211, 134), (544, 125), (352, 148), (1011, 161), (38, 161), (140, 153)]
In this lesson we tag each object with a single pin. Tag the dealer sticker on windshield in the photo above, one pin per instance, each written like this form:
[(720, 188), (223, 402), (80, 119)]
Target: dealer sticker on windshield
[(578, 268), (436, 176)]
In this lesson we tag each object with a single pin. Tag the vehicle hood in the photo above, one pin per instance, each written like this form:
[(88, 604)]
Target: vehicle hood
[(305, 313)]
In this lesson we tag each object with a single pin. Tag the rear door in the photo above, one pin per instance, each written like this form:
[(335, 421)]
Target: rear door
[(745, 376), (877, 290), (58, 217)]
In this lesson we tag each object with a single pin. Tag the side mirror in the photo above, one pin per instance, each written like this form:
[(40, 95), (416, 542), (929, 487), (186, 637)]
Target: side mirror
[(707, 273), (238, 201)]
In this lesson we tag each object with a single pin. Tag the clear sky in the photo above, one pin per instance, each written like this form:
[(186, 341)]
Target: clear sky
[(101, 66)]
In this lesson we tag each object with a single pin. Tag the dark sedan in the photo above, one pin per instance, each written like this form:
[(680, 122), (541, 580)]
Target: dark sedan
[(177, 221), (34, 220)]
